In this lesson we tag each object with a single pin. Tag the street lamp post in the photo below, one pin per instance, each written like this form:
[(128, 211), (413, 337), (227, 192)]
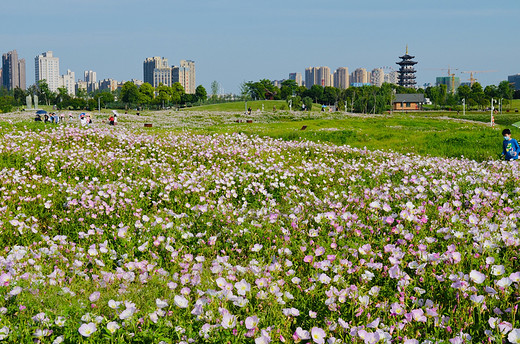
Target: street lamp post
[(463, 106)]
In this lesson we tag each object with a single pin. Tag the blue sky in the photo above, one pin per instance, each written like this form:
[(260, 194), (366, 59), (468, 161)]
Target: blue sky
[(232, 41)]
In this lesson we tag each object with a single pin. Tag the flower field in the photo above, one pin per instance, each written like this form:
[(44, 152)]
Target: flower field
[(113, 235)]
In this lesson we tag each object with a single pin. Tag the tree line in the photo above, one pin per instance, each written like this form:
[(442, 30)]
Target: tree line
[(374, 99), (129, 95)]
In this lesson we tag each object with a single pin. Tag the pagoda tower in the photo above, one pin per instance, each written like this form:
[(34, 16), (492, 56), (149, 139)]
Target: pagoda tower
[(406, 74)]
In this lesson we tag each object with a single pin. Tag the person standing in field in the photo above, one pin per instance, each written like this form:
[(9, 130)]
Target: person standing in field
[(510, 147)]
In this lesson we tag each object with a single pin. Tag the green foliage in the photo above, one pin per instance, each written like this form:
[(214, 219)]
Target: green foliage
[(129, 93), (200, 93), (146, 93), (307, 101)]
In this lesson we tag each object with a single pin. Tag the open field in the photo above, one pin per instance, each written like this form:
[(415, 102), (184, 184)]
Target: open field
[(133, 235), (443, 134)]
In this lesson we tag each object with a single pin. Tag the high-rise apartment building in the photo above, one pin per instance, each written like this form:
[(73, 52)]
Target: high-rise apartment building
[(108, 85), (310, 76), (151, 64), (90, 78), (359, 76), (391, 78), (180, 75), (69, 82), (189, 69), (318, 76), (341, 78), (47, 67), (13, 71), (162, 76), (296, 77), (377, 77)]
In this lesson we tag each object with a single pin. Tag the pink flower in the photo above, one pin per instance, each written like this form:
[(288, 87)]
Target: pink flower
[(307, 259)]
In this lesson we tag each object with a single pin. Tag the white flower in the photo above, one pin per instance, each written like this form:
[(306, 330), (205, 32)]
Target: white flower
[(127, 313), (180, 301), (477, 276), (256, 248), (94, 296), (228, 320), (58, 340), (114, 304), (498, 270), (112, 326), (161, 303), (60, 321), (4, 332), (87, 329), (242, 287), (514, 336), (324, 279), (504, 282), (364, 300)]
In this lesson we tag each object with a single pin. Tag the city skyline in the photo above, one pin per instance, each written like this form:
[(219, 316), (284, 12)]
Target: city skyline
[(233, 42)]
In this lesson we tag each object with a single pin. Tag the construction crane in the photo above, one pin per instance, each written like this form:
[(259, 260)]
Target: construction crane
[(472, 79), (452, 88), (452, 75)]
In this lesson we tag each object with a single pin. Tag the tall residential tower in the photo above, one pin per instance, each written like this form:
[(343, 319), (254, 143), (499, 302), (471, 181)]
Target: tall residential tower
[(47, 67), (13, 71)]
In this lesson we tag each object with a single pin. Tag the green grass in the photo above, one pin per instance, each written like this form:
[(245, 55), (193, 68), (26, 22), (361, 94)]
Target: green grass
[(402, 133), (240, 106)]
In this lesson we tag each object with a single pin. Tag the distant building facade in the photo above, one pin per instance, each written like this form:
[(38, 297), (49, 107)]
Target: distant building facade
[(68, 81), (90, 78), (108, 85), (341, 78), (391, 78), (515, 80), (296, 77), (150, 75), (13, 71), (47, 67), (377, 77), (189, 70), (318, 76), (452, 83), (359, 76)]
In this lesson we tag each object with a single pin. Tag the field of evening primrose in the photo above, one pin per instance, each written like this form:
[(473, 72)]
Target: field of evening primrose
[(120, 235)]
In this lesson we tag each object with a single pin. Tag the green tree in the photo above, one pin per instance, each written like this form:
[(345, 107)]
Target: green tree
[(44, 92), (477, 95), (129, 93), (296, 102), (506, 90), (214, 89), (164, 94), (316, 92), (491, 91), (463, 92), (105, 97), (146, 93), (177, 93), (201, 94), (289, 87), (19, 96), (330, 95), (307, 101)]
